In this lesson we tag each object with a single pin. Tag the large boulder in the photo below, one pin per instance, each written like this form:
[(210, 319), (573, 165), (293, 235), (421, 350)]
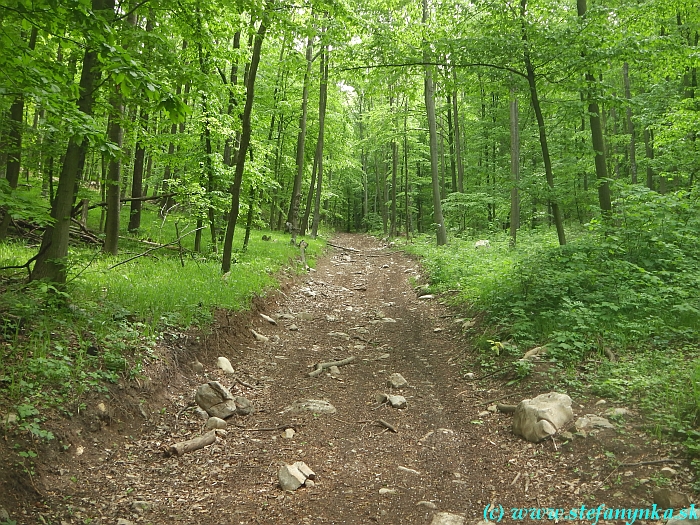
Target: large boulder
[(216, 400), (537, 419)]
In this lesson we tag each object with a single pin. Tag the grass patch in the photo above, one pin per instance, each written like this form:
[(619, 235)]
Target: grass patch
[(56, 345)]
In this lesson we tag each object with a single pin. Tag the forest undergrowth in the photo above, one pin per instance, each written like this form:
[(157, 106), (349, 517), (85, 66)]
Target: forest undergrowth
[(627, 288), (58, 343)]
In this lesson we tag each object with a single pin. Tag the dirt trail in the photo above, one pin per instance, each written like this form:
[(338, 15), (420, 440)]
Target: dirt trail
[(459, 460)]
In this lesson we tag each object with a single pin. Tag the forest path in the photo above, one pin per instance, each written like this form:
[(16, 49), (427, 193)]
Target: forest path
[(448, 454)]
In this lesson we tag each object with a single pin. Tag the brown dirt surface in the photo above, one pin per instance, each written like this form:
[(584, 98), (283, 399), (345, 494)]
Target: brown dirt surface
[(448, 454)]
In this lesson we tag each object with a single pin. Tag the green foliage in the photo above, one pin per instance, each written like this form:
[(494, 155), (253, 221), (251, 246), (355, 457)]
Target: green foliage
[(630, 285), (23, 205)]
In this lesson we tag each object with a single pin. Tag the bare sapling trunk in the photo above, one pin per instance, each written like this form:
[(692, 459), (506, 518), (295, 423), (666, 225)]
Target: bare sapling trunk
[(243, 147)]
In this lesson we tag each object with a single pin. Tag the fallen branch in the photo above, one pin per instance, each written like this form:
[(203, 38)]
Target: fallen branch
[(506, 409), (387, 425), (492, 401), (269, 429), (247, 385), (128, 199), (343, 247), (154, 249), (178, 449), (650, 462), (322, 366)]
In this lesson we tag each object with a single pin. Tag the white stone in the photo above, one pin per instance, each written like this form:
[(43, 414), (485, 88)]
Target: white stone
[(313, 405), (616, 412), (484, 243), (446, 518), (260, 337), (288, 433), (268, 319), (396, 380), (387, 491), (215, 399), (535, 353), (225, 365), (427, 504), (304, 469), (290, 477), (538, 418), (592, 422), (392, 400), (215, 422)]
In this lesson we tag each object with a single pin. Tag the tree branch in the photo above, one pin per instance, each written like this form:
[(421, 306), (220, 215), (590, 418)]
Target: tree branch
[(156, 248), (408, 64), (125, 15)]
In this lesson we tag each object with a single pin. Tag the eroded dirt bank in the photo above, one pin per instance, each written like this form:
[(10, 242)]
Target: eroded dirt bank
[(448, 454)]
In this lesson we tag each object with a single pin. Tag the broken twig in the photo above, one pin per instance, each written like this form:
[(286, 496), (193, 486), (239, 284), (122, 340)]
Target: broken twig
[(322, 366)]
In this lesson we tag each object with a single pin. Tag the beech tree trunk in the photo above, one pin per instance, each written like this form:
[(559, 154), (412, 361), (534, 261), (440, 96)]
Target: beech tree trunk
[(293, 216), (243, 147), (514, 168), (429, 91), (137, 189), (601, 166), (630, 123), (458, 138), (556, 212), (51, 260), (116, 136), (323, 102), (137, 179), (14, 144)]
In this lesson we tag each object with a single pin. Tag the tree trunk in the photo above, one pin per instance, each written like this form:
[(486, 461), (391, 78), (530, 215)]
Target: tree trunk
[(116, 136), (458, 138), (14, 144), (243, 147), (293, 216), (394, 171), (323, 100), (451, 144), (51, 260), (649, 150), (137, 179), (249, 218), (556, 212), (630, 123), (429, 91), (601, 167), (514, 168)]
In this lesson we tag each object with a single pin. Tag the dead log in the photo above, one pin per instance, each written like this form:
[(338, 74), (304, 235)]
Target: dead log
[(386, 425), (322, 366), (343, 247), (127, 199), (178, 449)]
